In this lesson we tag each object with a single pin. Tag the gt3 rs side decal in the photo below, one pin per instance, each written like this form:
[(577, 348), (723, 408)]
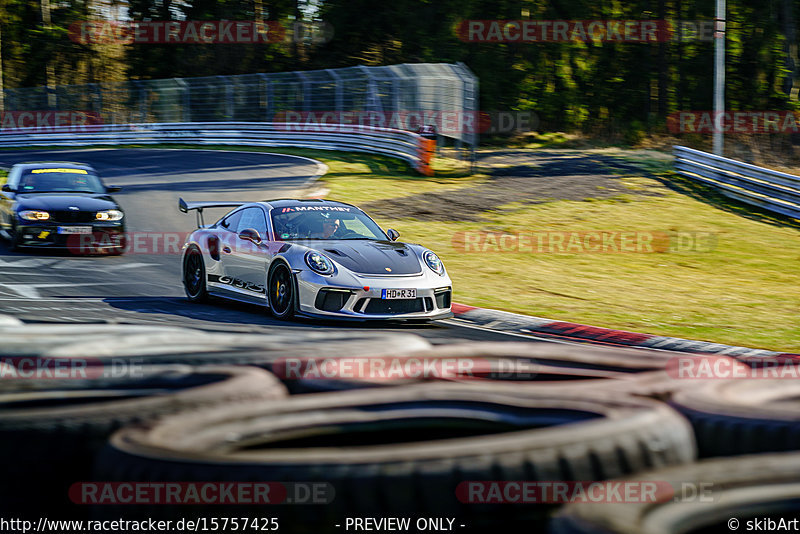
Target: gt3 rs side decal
[(235, 282)]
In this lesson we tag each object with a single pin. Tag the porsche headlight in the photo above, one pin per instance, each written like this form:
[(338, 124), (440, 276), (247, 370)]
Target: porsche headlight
[(109, 215), (34, 215), (433, 262), (319, 263)]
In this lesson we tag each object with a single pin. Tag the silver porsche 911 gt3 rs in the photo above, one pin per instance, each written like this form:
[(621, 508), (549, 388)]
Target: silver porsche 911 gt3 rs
[(313, 258)]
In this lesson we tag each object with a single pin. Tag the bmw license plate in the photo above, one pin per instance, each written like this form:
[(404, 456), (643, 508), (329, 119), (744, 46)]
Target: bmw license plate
[(398, 293), (74, 229)]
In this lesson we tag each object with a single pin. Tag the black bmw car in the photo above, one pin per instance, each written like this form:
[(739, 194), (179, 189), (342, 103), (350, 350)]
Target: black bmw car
[(61, 205)]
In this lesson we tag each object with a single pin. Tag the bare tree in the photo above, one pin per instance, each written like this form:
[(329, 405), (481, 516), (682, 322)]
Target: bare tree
[(790, 47), (50, 71)]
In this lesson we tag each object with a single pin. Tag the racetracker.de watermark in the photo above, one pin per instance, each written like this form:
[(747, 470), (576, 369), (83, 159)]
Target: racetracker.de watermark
[(581, 491), (710, 368), (158, 243), (43, 121), (148, 243), (64, 368), (584, 242), (403, 368), (110, 32), (176, 32), (204, 493), (734, 121), (566, 31), (445, 122)]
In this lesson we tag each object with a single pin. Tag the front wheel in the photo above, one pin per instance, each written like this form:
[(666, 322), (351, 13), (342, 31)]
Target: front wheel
[(194, 276), (119, 250), (14, 240), (280, 291)]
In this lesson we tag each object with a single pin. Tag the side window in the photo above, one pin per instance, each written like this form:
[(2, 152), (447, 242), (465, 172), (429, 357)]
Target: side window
[(26, 182), (231, 222), (253, 218), (13, 177)]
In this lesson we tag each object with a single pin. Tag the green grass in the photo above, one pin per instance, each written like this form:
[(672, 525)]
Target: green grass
[(536, 140), (743, 292)]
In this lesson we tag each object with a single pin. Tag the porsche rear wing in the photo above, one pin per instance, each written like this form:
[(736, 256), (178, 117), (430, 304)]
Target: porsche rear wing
[(185, 207)]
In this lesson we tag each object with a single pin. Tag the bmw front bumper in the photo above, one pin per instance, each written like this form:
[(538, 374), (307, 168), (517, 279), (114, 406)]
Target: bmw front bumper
[(104, 236)]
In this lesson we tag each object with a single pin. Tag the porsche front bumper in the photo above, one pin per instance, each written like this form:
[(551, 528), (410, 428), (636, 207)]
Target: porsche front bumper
[(359, 297)]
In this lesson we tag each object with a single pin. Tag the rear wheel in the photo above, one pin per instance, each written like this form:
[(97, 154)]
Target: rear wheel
[(194, 276), (280, 291)]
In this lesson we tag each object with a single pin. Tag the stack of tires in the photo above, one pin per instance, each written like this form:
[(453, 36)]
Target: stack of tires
[(444, 437)]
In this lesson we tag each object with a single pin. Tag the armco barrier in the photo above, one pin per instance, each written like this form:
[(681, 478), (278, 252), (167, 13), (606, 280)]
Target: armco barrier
[(768, 189), (407, 146)]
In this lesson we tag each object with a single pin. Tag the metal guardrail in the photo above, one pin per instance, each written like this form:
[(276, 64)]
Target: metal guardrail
[(772, 190), (407, 146)]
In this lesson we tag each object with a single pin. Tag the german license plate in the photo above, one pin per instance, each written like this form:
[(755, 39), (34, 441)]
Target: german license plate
[(398, 293), (74, 229)]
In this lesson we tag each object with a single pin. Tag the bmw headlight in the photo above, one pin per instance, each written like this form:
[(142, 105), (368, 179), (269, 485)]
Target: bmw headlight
[(319, 263), (34, 215), (109, 215), (433, 262)]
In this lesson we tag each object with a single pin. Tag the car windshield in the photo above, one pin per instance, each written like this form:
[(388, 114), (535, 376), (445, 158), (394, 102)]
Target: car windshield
[(294, 223), (57, 180)]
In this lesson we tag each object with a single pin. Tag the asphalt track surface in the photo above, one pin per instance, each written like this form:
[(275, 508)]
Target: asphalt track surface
[(145, 288)]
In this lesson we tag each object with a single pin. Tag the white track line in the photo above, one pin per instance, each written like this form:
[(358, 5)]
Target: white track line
[(455, 322), (31, 291)]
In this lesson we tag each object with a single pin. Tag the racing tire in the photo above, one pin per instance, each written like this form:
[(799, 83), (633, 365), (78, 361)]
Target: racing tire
[(121, 345), (281, 291), (51, 429), (733, 417), (406, 451), (194, 275), (521, 365), (718, 495)]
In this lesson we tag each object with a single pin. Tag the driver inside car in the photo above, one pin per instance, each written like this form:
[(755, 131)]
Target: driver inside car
[(330, 227)]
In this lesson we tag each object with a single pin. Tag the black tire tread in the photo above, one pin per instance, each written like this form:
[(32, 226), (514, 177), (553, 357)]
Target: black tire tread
[(58, 444), (738, 489), (733, 417), (425, 480)]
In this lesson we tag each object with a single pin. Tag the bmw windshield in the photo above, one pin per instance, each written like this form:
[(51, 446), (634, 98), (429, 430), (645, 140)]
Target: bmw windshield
[(293, 223), (57, 180)]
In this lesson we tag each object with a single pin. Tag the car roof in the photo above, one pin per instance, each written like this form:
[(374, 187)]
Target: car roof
[(284, 202), (55, 164)]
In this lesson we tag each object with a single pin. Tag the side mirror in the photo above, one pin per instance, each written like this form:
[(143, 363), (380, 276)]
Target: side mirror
[(250, 234), (393, 234), (7, 189), (113, 189)]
